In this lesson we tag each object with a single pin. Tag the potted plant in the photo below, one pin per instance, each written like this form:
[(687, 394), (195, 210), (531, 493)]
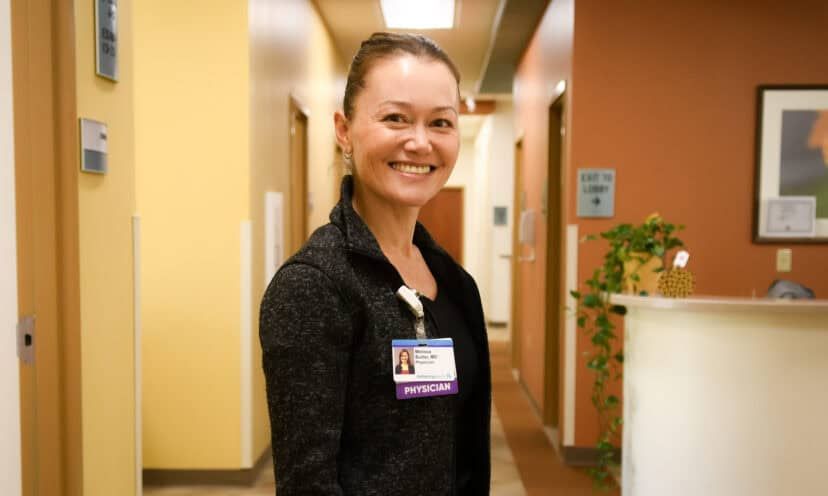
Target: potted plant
[(635, 257)]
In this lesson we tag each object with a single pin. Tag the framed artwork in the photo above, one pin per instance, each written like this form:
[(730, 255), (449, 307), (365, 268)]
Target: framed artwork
[(791, 181)]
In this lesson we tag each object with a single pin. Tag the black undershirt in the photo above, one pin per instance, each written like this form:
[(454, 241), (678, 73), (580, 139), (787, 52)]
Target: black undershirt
[(448, 320)]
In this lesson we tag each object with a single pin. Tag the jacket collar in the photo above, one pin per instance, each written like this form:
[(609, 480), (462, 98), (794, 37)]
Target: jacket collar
[(358, 237)]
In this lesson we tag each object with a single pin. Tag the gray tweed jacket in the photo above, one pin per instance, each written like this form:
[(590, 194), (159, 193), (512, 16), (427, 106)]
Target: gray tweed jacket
[(326, 324)]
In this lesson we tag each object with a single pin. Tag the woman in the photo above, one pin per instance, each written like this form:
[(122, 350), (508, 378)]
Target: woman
[(404, 367), (330, 314)]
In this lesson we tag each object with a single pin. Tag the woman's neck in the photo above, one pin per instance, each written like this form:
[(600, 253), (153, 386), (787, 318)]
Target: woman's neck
[(392, 225)]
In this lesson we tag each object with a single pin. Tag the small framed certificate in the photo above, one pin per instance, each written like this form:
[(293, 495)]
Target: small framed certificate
[(790, 217)]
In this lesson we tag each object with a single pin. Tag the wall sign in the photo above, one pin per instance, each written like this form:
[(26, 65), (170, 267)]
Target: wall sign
[(500, 216), (93, 146), (596, 192), (106, 38)]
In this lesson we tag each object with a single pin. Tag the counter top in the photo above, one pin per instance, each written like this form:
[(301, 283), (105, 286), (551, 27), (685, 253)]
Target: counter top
[(721, 304)]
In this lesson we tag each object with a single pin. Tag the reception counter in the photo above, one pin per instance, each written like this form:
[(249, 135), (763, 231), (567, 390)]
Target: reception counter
[(725, 396)]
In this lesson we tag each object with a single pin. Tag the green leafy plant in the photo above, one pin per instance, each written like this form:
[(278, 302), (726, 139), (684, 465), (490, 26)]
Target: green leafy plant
[(627, 243)]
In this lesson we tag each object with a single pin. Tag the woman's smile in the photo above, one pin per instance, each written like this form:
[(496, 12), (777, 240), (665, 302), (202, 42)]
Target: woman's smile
[(411, 168)]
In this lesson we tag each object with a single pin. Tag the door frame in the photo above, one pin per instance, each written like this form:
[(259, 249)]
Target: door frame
[(48, 263), (555, 311), (298, 194), (517, 207)]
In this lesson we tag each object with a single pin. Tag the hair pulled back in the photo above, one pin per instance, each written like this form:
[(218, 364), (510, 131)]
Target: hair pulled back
[(383, 45)]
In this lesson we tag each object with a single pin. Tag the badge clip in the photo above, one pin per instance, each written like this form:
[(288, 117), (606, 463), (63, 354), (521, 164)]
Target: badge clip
[(409, 297)]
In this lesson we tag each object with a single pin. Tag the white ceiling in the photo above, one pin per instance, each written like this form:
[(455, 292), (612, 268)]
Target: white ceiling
[(468, 43)]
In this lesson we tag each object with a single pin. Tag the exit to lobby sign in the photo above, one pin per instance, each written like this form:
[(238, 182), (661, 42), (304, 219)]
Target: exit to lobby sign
[(596, 192)]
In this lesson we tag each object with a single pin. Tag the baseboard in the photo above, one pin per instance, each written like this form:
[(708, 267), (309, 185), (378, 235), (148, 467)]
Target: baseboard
[(576, 456), (241, 477)]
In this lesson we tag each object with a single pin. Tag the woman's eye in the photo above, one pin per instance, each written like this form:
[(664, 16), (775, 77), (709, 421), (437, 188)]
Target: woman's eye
[(443, 123), (394, 118)]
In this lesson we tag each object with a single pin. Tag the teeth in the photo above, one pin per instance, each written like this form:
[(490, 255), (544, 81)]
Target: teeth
[(411, 168)]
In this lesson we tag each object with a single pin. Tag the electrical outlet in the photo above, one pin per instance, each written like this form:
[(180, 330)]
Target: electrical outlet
[(784, 260)]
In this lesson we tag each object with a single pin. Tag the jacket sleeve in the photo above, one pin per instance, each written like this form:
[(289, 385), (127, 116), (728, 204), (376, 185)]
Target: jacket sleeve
[(305, 330)]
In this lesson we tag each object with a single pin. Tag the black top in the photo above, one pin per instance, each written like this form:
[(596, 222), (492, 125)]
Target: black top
[(326, 325), (448, 319)]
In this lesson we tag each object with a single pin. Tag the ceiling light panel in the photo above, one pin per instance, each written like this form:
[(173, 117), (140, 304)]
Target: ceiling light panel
[(418, 14)]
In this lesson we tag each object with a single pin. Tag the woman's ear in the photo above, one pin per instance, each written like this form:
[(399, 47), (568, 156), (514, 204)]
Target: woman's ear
[(341, 127)]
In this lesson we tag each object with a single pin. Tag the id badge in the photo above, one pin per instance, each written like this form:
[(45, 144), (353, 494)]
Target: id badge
[(424, 368)]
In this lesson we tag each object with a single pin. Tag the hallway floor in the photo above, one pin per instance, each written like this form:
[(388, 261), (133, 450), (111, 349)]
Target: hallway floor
[(523, 461)]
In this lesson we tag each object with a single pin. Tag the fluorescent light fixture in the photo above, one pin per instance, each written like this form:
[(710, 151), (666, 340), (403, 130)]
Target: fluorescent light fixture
[(470, 104), (418, 14), (560, 87)]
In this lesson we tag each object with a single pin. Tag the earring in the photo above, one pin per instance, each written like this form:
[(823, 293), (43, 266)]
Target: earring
[(348, 158)]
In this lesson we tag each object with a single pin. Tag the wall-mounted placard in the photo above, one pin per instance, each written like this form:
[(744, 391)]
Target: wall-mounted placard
[(596, 192), (106, 38), (789, 217), (93, 146), (500, 218)]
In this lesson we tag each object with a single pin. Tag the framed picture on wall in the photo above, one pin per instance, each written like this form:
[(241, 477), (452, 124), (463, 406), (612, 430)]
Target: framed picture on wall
[(791, 181)]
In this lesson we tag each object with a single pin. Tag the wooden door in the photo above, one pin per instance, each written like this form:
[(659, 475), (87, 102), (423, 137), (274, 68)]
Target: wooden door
[(443, 218), (554, 257), (518, 205), (46, 169), (298, 176)]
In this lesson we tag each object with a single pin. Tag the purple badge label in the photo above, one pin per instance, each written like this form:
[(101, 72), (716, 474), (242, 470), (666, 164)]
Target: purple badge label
[(407, 390)]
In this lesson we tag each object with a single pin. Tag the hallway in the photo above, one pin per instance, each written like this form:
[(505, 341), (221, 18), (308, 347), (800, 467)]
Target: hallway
[(523, 461)]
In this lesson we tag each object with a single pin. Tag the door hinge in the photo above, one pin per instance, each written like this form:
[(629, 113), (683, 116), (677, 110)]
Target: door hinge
[(25, 339)]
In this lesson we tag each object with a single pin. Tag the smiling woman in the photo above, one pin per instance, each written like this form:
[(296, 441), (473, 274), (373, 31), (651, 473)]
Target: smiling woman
[(330, 314)]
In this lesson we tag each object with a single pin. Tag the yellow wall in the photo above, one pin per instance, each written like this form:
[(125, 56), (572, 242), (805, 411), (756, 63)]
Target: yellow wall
[(106, 206), (291, 54), (192, 178)]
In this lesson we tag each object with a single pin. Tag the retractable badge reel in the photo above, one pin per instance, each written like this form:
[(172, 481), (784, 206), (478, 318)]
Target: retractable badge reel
[(422, 367)]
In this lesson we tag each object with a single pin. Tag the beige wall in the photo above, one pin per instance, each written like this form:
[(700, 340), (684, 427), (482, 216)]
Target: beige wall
[(10, 475), (192, 160), (291, 54), (106, 205), (212, 92), (494, 151)]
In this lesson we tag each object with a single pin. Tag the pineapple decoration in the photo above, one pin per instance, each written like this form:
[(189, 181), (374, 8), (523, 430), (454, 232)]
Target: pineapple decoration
[(677, 282)]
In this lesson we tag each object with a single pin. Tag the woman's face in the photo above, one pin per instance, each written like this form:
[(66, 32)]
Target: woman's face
[(403, 132), (403, 357)]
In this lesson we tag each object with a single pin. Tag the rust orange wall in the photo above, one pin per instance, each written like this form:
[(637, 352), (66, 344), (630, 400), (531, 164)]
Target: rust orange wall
[(547, 60), (665, 93)]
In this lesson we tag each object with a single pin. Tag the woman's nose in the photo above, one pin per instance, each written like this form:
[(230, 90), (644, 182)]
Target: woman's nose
[(419, 141)]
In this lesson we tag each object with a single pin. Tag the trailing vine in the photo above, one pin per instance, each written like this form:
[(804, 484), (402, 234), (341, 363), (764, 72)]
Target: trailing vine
[(627, 243)]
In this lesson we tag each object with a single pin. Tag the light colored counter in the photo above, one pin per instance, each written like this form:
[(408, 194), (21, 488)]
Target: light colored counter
[(725, 396)]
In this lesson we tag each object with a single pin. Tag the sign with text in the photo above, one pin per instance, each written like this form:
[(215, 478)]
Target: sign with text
[(106, 38), (596, 192)]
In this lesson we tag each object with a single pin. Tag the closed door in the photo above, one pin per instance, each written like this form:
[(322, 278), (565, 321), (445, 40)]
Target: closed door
[(519, 204), (554, 258), (443, 218), (46, 168), (298, 177)]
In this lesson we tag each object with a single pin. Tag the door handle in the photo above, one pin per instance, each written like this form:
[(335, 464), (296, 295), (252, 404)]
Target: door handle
[(25, 339)]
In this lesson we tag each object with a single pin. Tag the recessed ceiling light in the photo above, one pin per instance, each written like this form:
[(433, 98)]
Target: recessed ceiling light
[(419, 14)]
